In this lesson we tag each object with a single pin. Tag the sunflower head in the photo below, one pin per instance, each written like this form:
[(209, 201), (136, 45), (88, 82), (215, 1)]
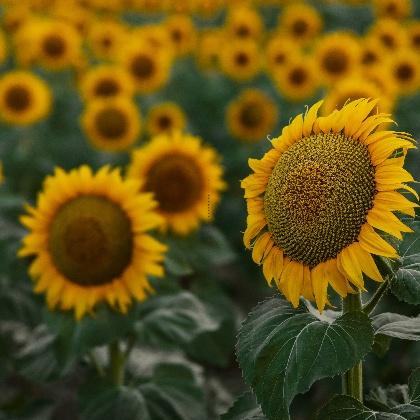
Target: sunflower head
[(182, 33), (251, 116), (404, 70), (165, 117), (184, 176), (243, 22), (112, 124), (24, 98), (318, 197), (88, 234)]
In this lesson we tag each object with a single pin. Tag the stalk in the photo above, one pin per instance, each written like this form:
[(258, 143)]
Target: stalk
[(116, 364), (352, 380)]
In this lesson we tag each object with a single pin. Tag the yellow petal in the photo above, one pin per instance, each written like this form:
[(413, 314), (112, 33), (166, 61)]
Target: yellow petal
[(320, 285), (371, 242), (367, 263)]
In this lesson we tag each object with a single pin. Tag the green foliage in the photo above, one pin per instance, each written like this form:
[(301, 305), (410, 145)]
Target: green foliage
[(283, 351), (398, 326), (343, 407), (245, 408), (406, 284)]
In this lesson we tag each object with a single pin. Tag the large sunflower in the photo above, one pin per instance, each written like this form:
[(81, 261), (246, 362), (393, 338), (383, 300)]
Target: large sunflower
[(88, 234), (316, 198), (24, 98), (185, 177), (112, 124)]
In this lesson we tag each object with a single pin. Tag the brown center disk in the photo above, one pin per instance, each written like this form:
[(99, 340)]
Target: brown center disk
[(107, 87), (335, 61), (18, 98), (404, 72), (111, 123), (54, 46), (251, 115), (176, 181), (298, 76), (241, 59), (242, 31), (388, 40), (299, 27), (90, 240), (164, 122), (142, 67)]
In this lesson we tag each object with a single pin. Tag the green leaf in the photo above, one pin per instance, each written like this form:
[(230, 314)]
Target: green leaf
[(343, 407), (406, 284), (283, 351), (411, 409), (381, 345), (173, 320), (398, 326), (122, 403), (173, 393), (245, 407)]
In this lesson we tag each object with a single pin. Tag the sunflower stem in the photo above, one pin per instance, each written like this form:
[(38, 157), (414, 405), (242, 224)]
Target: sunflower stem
[(352, 380), (94, 361), (371, 304), (116, 364)]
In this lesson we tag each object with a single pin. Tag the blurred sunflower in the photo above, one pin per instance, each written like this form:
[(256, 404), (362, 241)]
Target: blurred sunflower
[(251, 116), (208, 51), (58, 45), (404, 67), (300, 22), (182, 33), (3, 47), (279, 50), (106, 81), (372, 52), (413, 34), (184, 176), (298, 79), (24, 98), (106, 38), (240, 60), (317, 197), (337, 55), (156, 35), (382, 78), (393, 9), (390, 34), (15, 17), (149, 68), (112, 124), (79, 17), (88, 234), (353, 88), (243, 22), (165, 117)]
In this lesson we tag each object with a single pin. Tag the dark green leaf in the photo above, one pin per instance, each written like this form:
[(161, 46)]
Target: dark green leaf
[(173, 393), (122, 403), (406, 284), (173, 320), (283, 351), (398, 326), (381, 345), (343, 407), (245, 408)]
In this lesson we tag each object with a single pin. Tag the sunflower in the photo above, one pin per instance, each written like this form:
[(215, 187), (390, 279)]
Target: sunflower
[(279, 51), (301, 22), (337, 56), (112, 124), (185, 177), (15, 17), (165, 117), (182, 33), (390, 34), (252, 115), (156, 35), (297, 80), (381, 76), (88, 234), (243, 22), (372, 52), (353, 88), (393, 9), (58, 45), (240, 60), (149, 68), (404, 67), (106, 81), (208, 51), (106, 37), (24, 98), (413, 34), (317, 197)]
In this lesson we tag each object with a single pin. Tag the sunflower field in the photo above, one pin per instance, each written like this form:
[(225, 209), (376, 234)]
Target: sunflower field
[(209, 209)]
